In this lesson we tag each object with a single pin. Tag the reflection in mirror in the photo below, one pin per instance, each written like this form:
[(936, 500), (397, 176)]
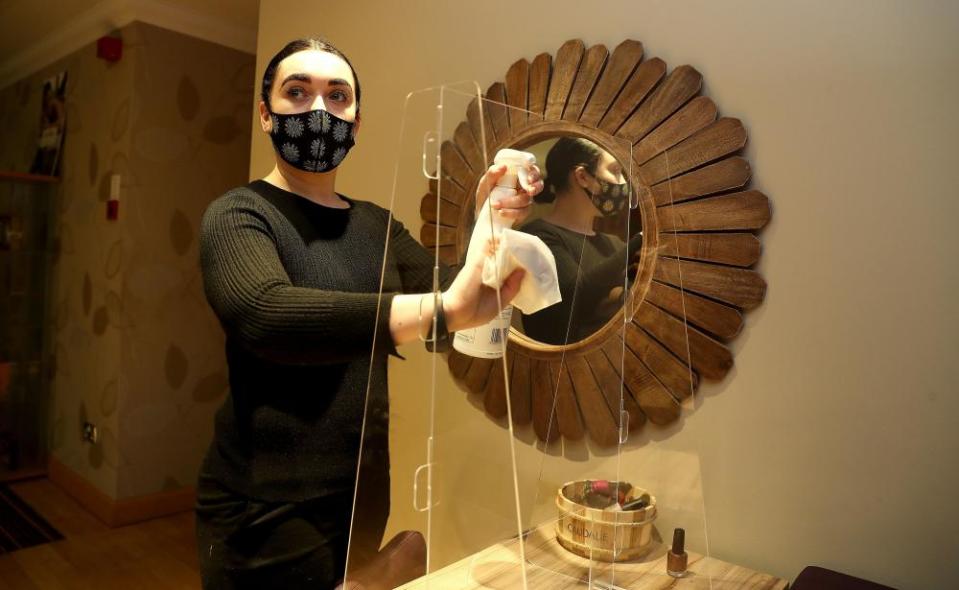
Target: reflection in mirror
[(583, 217)]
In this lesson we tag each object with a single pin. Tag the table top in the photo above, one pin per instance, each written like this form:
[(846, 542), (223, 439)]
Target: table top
[(549, 566)]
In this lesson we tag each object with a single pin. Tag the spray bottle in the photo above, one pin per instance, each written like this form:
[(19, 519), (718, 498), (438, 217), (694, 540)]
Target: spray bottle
[(487, 341)]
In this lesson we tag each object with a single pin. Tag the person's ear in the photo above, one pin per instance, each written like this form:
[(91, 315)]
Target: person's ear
[(356, 125), (266, 122), (582, 177)]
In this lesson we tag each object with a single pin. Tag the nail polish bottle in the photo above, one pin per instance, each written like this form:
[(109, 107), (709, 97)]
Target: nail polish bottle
[(676, 559), (637, 503)]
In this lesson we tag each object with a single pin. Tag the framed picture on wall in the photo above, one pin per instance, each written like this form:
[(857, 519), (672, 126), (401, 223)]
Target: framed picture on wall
[(53, 125)]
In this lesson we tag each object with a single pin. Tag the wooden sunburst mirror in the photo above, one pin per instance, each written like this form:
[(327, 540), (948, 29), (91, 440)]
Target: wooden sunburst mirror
[(694, 278)]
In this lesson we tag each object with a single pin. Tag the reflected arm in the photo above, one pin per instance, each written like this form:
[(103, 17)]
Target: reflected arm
[(599, 278)]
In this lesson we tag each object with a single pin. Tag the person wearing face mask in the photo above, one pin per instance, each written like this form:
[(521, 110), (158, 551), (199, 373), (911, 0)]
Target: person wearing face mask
[(584, 182), (292, 269)]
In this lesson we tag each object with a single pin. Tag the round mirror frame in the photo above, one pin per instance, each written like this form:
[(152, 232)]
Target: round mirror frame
[(531, 135), (694, 277)]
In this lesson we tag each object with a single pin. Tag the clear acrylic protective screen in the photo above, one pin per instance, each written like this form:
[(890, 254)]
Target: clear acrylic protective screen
[(546, 467)]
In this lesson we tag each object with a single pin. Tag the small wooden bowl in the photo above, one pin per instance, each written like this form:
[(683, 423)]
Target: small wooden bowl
[(604, 535)]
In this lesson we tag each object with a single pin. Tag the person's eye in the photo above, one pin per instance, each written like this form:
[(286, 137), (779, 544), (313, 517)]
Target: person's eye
[(339, 95), (295, 92)]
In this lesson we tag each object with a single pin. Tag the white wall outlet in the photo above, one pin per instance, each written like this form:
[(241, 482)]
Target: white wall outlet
[(90, 432)]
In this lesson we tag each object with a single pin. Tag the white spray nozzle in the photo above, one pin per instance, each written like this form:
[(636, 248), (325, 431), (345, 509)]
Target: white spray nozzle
[(518, 164)]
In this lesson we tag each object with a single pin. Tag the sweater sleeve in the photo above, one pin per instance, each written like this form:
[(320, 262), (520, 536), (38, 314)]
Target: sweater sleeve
[(613, 269), (415, 262), (600, 278), (251, 294)]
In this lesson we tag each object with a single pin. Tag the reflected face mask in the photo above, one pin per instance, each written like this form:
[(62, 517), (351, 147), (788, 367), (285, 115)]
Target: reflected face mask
[(611, 198), (314, 141)]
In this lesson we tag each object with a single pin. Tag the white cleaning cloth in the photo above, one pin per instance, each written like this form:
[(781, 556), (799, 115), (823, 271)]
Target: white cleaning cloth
[(540, 286)]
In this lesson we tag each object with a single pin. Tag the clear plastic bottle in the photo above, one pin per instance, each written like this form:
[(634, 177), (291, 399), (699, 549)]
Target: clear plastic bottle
[(487, 341)]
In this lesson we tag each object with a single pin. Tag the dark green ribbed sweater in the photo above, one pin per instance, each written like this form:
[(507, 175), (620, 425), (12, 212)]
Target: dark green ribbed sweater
[(588, 268), (296, 286)]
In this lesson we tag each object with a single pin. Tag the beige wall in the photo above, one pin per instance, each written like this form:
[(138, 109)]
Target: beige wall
[(85, 272), (135, 348), (189, 144), (832, 441)]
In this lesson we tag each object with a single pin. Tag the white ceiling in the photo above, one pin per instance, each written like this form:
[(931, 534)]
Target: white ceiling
[(34, 34)]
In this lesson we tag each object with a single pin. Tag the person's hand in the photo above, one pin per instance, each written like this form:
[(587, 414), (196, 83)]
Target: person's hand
[(469, 303), (517, 207)]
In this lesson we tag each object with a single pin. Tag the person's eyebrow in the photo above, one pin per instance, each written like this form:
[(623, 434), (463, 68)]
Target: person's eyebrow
[(300, 77), (339, 82), (297, 77)]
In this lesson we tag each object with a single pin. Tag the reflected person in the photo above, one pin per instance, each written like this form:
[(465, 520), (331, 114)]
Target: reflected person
[(584, 183)]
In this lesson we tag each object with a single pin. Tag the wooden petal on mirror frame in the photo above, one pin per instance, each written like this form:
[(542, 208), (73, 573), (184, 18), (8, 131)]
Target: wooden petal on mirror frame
[(620, 67), (494, 400), (602, 426), (727, 174), (477, 376), (640, 83), (695, 115), (740, 287), (448, 191), (720, 320), (447, 235), (719, 139), (568, 414), (495, 104), (520, 395), (481, 124), (449, 214), (448, 254), (709, 357), (454, 165), (481, 127), (613, 389), (459, 365), (568, 58), (736, 249), (736, 211), (466, 143), (672, 373), (491, 138), (539, 74), (545, 423), (517, 94), (658, 405), (678, 88), (589, 71)]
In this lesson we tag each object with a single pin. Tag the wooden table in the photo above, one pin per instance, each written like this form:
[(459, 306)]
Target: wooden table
[(550, 567)]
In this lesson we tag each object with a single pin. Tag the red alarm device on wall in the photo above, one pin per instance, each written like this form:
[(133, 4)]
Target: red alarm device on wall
[(110, 48), (113, 203)]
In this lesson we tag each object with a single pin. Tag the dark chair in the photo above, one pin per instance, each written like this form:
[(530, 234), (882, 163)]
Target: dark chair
[(819, 578), (402, 560)]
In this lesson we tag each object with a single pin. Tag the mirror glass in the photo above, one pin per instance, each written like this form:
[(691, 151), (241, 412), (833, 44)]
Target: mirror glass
[(587, 216)]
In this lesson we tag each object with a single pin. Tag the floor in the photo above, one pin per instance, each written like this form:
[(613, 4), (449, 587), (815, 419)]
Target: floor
[(159, 553)]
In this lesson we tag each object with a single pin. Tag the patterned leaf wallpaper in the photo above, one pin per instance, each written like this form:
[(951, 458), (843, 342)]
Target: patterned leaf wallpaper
[(134, 346)]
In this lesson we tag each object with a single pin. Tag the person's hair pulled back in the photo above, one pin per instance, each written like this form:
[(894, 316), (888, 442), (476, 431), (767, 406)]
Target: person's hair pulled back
[(295, 46), (565, 155)]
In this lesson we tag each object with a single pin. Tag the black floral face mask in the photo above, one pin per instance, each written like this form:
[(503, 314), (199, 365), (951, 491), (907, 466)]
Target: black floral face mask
[(315, 141), (611, 198)]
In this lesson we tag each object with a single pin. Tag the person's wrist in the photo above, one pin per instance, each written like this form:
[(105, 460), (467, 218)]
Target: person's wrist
[(454, 319), (438, 340)]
